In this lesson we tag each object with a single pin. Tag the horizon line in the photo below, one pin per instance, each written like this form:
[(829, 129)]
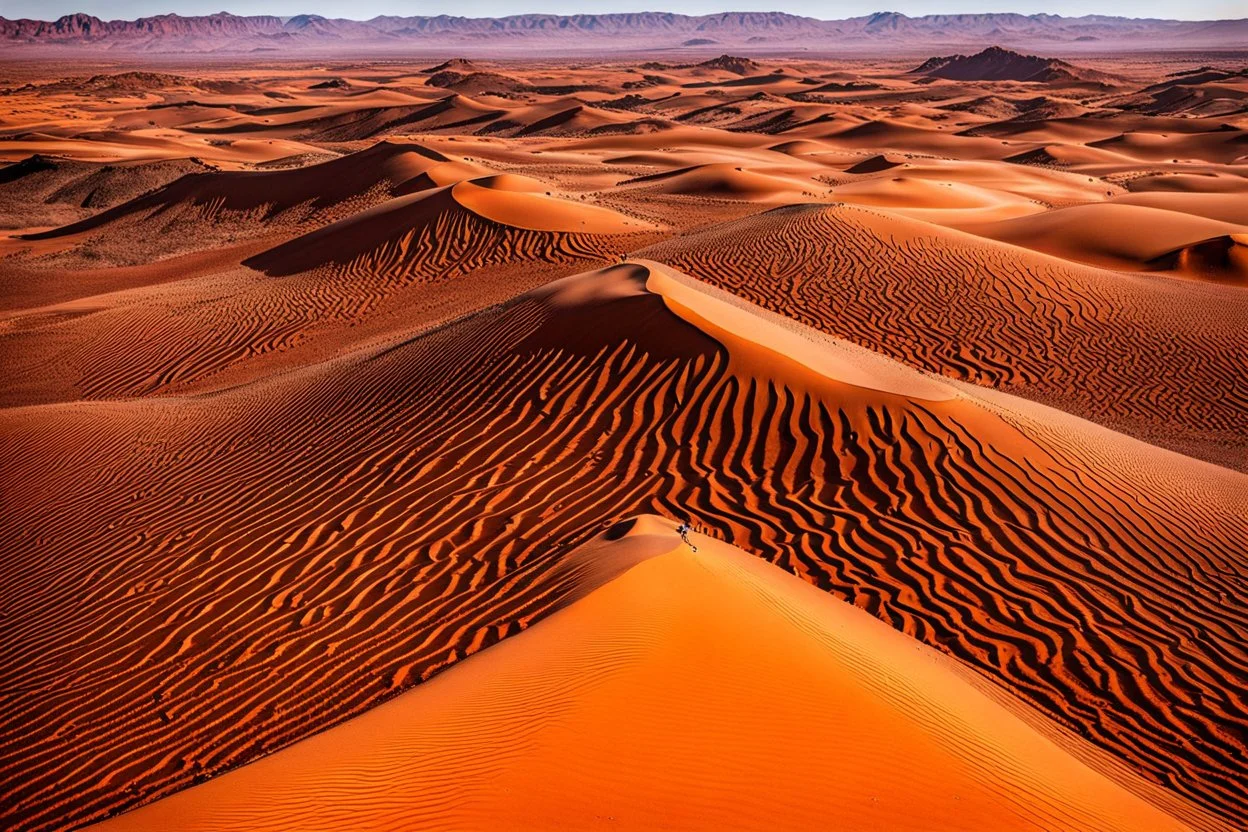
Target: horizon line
[(882, 12)]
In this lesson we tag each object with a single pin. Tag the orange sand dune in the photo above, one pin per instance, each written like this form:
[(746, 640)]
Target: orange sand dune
[(943, 202), (518, 201), (1044, 185), (45, 191), (565, 117), (891, 134), (454, 112), (1218, 146), (27, 292), (1222, 259), (302, 547), (800, 147), (459, 225), (996, 315), (1071, 155), (204, 320), (1190, 183), (725, 181), (127, 147), (290, 435), (350, 182), (664, 684), (1117, 235), (1224, 207), (876, 164)]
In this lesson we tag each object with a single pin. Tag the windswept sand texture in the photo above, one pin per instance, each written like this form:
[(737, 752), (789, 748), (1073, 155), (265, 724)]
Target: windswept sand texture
[(999, 316), (662, 683), (329, 392)]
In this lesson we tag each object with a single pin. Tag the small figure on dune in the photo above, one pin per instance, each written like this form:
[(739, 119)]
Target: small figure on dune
[(683, 530)]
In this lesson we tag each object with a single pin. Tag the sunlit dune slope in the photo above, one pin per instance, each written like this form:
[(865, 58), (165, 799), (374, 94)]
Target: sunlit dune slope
[(684, 693), (1201, 183), (1224, 207), (997, 315), (939, 201), (723, 181), (196, 581), (1117, 235)]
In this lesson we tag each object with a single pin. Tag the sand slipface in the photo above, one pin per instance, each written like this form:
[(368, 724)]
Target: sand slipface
[(325, 385), (681, 694)]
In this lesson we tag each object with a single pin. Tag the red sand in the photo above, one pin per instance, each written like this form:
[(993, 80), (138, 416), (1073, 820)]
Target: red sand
[(314, 390), (686, 693)]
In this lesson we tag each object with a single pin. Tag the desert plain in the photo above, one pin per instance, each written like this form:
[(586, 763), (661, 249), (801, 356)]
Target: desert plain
[(350, 408)]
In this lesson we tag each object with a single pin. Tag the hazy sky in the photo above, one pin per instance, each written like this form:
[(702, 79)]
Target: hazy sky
[(363, 9)]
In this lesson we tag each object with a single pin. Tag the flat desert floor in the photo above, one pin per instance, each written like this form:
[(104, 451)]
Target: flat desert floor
[(349, 410)]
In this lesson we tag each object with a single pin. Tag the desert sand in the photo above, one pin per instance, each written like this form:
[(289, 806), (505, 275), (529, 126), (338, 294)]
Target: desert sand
[(652, 703), (348, 408)]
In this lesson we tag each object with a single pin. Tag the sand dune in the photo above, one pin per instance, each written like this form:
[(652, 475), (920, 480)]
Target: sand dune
[(945, 202), (1223, 258), (1119, 235), (331, 188), (324, 378), (875, 164), (1198, 183), (398, 265), (724, 181), (890, 285), (1220, 206), (662, 682), (431, 485), (498, 218), (44, 191)]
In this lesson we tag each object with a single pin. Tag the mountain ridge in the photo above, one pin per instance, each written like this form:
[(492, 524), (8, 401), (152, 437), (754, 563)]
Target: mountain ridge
[(224, 31)]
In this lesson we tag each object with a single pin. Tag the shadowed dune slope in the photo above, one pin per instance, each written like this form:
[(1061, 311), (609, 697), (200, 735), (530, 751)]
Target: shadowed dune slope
[(875, 164), (663, 683), (296, 550), (41, 190), (1223, 259), (1166, 354)]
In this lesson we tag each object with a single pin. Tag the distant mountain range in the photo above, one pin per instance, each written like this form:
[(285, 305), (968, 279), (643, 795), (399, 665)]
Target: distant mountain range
[(766, 31)]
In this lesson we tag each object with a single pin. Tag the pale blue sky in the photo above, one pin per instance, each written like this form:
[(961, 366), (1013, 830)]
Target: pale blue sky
[(364, 9)]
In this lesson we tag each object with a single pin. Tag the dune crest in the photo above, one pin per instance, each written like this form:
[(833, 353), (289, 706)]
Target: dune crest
[(388, 166), (765, 346), (1120, 235), (525, 206), (723, 181), (664, 682), (870, 287), (457, 227)]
